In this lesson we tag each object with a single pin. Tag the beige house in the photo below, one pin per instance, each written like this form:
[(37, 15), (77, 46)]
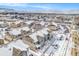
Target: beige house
[(16, 52), (8, 37), (76, 21), (37, 27), (74, 52), (29, 41), (1, 41), (52, 27), (19, 48), (13, 25)]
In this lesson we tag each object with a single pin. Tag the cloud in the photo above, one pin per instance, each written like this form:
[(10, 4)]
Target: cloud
[(12, 4), (38, 6), (27, 5), (41, 6)]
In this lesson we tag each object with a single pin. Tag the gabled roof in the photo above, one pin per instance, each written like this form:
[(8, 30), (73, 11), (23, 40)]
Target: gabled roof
[(15, 31), (34, 37), (38, 33), (19, 44), (25, 28)]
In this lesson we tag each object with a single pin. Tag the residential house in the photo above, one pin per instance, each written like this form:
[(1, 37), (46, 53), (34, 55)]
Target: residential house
[(1, 41)]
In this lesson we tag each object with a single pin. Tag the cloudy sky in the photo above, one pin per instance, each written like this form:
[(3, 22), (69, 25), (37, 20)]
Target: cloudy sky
[(38, 6)]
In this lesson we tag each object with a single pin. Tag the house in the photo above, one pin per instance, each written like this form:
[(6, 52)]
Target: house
[(75, 37), (25, 31), (59, 19), (15, 32), (34, 40), (39, 37), (40, 42), (8, 37), (37, 27), (23, 53), (16, 52), (3, 24), (13, 25), (18, 47), (21, 24), (74, 51), (15, 48), (76, 21), (29, 23), (29, 41), (1, 41), (52, 27)]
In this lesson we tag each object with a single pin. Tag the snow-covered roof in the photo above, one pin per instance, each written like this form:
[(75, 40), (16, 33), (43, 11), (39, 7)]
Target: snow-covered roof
[(1, 22), (34, 37), (18, 21), (19, 44), (15, 31), (40, 33), (54, 23), (1, 37), (25, 28), (29, 22), (5, 51), (44, 31), (2, 34), (42, 23)]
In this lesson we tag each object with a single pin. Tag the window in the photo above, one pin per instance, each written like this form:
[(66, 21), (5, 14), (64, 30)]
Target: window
[(48, 36), (38, 42)]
